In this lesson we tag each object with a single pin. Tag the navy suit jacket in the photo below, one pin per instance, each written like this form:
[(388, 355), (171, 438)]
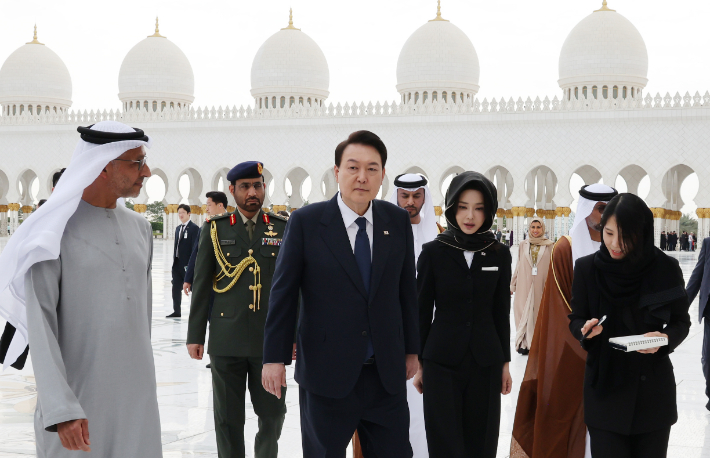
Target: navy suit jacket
[(188, 243), (336, 314), (700, 279), (190, 271)]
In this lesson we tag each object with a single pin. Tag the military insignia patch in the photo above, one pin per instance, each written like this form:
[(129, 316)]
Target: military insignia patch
[(259, 168), (227, 242), (269, 241), (232, 219)]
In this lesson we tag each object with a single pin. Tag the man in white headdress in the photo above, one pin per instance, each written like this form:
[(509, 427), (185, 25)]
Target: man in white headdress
[(75, 279), (411, 192), (549, 418)]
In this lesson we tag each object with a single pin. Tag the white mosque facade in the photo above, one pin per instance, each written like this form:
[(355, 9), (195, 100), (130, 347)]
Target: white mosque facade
[(600, 126)]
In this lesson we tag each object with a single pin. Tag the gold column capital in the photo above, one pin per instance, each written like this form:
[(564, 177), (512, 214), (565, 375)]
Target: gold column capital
[(140, 208), (509, 213), (278, 208), (529, 212), (196, 209), (438, 211), (27, 209), (3, 208), (13, 207), (499, 213)]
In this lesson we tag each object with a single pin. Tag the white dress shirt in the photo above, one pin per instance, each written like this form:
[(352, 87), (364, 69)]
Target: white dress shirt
[(469, 257), (349, 217)]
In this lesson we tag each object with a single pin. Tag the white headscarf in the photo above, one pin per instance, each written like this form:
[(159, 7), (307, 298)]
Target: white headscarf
[(582, 243), (426, 230), (39, 237)]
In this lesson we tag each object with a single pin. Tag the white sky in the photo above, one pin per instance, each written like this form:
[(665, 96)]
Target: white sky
[(518, 41)]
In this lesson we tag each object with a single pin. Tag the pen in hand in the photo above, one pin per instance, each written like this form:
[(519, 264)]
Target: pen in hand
[(592, 328)]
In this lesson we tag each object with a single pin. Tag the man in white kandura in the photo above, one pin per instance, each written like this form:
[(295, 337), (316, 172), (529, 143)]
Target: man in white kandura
[(412, 193), (76, 278)]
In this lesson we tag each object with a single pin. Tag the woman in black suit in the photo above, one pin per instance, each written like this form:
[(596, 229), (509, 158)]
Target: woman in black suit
[(465, 352), (629, 398)]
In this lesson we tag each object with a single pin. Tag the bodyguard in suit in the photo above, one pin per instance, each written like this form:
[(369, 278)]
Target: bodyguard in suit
[(699, 282), (236, 259), (352, 259), (186, 236)]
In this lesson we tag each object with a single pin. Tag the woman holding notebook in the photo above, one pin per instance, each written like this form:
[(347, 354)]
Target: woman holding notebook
[(629, 396)]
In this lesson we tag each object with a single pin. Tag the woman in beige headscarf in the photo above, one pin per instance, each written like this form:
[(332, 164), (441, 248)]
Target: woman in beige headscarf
[(528, 282)]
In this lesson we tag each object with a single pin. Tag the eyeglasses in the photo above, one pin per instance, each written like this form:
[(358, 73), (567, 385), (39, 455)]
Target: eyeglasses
[(140, 163)]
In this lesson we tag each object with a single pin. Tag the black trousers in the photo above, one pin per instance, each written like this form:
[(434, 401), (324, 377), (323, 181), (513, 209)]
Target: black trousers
[(230, 377), (705, 358), (178, 280), (381, 420), (462, 409), (607, 444)]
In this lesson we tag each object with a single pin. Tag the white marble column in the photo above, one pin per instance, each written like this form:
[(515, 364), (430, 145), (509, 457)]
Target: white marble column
[(13, 214), (3, 220), (659, 214)]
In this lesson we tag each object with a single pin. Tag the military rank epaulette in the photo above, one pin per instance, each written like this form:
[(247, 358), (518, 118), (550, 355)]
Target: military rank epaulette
[(275, 216), (216, 217)]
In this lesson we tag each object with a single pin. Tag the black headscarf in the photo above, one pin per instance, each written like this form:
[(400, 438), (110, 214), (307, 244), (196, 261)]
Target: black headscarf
[(454, 236), (640, 282)]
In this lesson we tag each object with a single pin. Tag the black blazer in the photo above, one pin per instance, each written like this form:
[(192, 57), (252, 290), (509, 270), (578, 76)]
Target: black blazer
[(647, 400), (317, 259), (188, 243), (190, 271), (472, 304)]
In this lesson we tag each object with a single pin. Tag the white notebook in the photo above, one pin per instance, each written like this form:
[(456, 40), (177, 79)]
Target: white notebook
[(633, 343)]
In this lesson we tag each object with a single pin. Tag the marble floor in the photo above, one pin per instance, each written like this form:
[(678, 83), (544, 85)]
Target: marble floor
[(185, 390)]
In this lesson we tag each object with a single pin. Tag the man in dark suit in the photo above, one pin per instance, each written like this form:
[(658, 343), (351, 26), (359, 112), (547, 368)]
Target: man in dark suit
[(699, 282), (499, 235), (352, 259), (186, 238)]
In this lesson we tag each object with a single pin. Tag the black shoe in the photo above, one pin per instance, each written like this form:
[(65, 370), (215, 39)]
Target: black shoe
[(523, 351), (209, 366), (174, 315)]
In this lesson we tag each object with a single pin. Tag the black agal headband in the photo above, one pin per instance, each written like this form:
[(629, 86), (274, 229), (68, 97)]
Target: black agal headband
[(101, 138)]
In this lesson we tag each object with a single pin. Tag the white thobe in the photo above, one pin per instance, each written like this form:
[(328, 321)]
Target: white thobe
[(89, 317)]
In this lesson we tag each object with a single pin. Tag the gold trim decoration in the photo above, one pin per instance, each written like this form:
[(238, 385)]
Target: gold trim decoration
[(278, 208), (509, 213), (195, 209), (438, 210), (703, 212), (438, 13), (34, 40), (235, 272), (140, 208), (566, 211), (290, 21), (26, 209), (554, 275), (658, 212), (13, 207), (499, 213), (157, 30), (604, 7), (518, 211), (529, 212), (3, 208)]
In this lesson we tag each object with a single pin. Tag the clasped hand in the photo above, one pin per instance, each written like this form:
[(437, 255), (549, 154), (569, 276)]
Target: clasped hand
[(74, 435)]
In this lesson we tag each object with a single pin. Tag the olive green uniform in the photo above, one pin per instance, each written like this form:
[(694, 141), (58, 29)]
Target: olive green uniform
[(237, 328)]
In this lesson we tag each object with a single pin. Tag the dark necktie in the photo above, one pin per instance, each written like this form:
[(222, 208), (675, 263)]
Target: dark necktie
[(177, 245), (250, 228), (363, 257)]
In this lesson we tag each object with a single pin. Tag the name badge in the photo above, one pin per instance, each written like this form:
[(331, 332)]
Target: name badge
[(534, 270), (267, 241), (185, 234), (489, 269), (227, 242)]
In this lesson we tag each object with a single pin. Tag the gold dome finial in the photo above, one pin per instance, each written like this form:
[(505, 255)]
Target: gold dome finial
[(604, 7), (157, 30), (290, 21), (438, 12), (34, 40)]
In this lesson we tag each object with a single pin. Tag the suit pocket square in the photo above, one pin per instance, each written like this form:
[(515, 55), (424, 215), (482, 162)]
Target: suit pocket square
[(489, 269)]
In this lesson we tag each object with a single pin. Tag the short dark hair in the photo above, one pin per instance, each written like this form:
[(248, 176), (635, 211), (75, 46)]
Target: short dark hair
[(185, 207), (56, 177), (218, 197), (41, 202), (283, 213), (361, 137), (634, 221)]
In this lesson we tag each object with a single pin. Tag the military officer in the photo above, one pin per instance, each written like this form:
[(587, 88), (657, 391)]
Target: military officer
[(236, 258)]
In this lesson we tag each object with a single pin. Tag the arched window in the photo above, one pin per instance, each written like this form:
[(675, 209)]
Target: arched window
[(594, 92), (584, 92), (461, 96), (29, 107), (605, 92), (260, 102), (291, 101), (266, 102), (623, 92), (576, 93), (444, 96), (14, 110), (179, 106), (426, 96), (22, 109), (283, 101), (145, 105), (172, 105), (162, 106), (416, 97), (632, 93), (410, 97), (616, 92), (273, 102), (309, 100), (155, 105), (453, 97), (434, 96), (300, 100)]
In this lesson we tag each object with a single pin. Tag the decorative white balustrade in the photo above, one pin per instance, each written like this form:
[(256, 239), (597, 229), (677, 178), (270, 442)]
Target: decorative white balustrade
[(361, 110)]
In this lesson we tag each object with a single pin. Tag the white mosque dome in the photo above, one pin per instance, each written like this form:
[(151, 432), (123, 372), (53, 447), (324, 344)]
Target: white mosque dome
[(156, 73), (289, 68), (604, 50), (34, 76), (438, 58)]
